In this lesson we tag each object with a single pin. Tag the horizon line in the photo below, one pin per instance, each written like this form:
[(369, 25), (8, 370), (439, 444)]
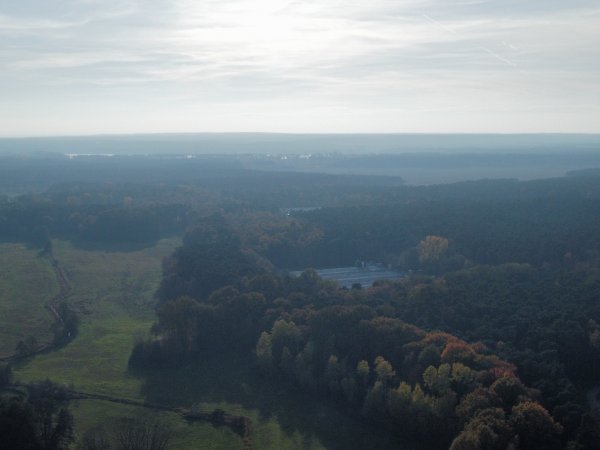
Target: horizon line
[(283, 133)]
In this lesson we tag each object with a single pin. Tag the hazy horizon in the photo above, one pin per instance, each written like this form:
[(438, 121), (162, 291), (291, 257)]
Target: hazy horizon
[(285, 133), (307, 143)]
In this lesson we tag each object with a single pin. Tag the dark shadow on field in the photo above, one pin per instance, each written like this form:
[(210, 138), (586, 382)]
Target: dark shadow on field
[(233, 379), (110, 247), (83, 244)]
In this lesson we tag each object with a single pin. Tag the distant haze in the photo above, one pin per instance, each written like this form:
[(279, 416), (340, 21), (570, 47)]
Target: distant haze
[(270, 143), (415, 158)]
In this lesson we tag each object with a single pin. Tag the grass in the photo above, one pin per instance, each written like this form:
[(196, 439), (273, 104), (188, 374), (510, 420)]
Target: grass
[(90, 414), (283, 418), (27, 282), (114, 293)]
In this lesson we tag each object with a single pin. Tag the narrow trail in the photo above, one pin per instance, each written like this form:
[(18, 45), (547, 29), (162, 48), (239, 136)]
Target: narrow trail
[(51, 305), (242, 425), (65, 288)]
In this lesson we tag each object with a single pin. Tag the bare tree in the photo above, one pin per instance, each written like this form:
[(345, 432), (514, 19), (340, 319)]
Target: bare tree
[(143, 434), (94, 439)]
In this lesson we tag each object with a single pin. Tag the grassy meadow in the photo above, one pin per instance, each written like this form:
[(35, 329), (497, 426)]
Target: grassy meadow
[(113, 294), (27, 282), (113, 291)]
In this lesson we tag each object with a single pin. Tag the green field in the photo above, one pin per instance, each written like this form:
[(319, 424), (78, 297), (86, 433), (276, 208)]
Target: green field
[(114, 293), (90, 413), (27, 282)]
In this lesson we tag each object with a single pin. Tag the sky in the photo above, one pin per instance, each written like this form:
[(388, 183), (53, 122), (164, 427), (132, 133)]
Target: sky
[(73, 67)]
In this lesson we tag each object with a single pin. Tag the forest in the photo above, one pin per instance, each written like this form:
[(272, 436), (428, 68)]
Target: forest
[(490, 341)]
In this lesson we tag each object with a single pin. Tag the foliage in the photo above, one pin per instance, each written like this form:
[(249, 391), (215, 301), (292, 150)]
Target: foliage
[(6, 375), (510, 317), (40, 421), (333, 342), (142, 434), (94, 439)]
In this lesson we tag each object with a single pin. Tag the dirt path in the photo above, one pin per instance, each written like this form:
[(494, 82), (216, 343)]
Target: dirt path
[(51, 305), (65, 288)]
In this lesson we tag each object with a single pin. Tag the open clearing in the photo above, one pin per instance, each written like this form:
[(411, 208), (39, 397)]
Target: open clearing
[(27, 282), (113, 291)]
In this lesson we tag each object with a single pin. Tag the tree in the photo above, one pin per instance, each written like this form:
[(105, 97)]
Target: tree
[(362, 371), (400, 404), (178, 321), (476, 400), (432, 248), (17, 425), (348, 385), (588, 435), (264, 352), (463, 378), (535, 427), (285, 334), (333, 374), (510, 390), (384, 370), (489, 430), (437, 380), (141, 433), (458, 351), (94, 439), (429, 356), (375, 405), (53, 422)]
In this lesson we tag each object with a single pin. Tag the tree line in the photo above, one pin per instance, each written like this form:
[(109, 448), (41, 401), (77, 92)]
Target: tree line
[(377, 353)]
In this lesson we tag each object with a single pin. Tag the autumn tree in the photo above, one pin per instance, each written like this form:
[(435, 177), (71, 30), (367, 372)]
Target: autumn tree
[(400, 404), (536, 428), (384, 371), (432, 248), (284, 334), (476, 400), (437, 380), (264, 352), (488, 430), (509, 390)]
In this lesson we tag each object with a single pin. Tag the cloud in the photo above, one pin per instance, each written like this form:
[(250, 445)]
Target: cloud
[(354, 55)]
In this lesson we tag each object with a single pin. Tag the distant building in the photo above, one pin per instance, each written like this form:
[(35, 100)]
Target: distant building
[(365, 274)]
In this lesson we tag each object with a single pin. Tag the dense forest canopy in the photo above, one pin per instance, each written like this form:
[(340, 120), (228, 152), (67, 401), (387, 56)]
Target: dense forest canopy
[(492, 338)]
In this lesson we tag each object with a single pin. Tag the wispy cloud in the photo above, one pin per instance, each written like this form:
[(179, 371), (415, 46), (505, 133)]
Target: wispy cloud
[(328, 55)]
